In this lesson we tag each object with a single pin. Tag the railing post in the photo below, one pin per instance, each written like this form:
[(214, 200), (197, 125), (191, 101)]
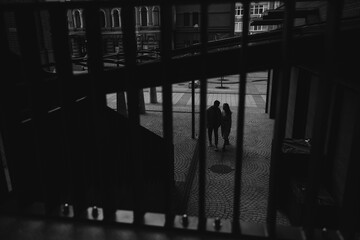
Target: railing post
[(166, 47), (7, 111), (203, 106), (193, 109), (63, 66), (267, 91), (130, 51), (31, 63), (281, 112), (349, 218), (328, 73), (97, 99), (240, 122)]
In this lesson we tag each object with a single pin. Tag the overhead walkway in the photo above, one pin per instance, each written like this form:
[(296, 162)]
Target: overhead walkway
[(224, 57)]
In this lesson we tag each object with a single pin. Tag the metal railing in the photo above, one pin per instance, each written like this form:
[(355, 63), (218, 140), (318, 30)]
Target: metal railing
[(97, 85)]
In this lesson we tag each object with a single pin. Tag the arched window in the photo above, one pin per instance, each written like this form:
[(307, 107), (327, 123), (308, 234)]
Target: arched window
[(156, 16), (143, 13), (115, 16), (77, 16), (102, 18)]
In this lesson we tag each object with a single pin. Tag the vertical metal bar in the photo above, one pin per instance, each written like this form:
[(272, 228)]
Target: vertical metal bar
[(193, 109), (166, 46), (130, 53), (240, 121), (349, 218), (26, 27), (4, 66), (273, 92), (203, 105), (59, 31), (281, 112), (3, 36), (329, 71), (7, 109), (267, 92), (97, 96)]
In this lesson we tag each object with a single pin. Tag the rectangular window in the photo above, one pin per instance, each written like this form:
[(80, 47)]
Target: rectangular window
[(238, 26), (186, 19), (239, 11), (195, 16), (256, 28), (257, 9)]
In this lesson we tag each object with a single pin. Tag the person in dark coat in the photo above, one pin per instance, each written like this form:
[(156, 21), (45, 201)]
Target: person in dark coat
[(225, 124), (213, 115)]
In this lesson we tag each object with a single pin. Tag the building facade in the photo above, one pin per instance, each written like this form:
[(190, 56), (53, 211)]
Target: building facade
[(256, 11), (147, 29), (186, 27), (188, 23)]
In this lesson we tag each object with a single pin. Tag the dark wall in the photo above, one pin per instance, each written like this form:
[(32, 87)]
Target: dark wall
[(314, 85), (344, 141), (341, 121), (298, 104)]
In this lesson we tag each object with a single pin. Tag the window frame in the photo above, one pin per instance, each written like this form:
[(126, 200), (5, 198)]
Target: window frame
[(79, 11), (238, 26), (118, 10), (239, 10), (103, 15), (156, 23), (141, 16)]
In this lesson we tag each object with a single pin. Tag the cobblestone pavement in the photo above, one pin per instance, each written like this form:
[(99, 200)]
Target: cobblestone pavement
[(181, 97), (221, 165)]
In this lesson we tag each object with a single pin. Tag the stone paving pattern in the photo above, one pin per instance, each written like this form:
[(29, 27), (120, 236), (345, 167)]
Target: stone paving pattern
[(221, 165), (255, 173)]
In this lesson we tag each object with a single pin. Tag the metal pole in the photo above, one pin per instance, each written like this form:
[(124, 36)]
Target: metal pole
[(193, 109), (203, 105), (281, 113), (166, 46), (240, 124)]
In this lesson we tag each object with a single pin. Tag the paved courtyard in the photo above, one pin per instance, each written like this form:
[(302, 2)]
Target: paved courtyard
[(220, 165)]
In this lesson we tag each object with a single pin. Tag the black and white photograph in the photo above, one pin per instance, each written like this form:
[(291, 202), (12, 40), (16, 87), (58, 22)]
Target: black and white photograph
[(179, 119)]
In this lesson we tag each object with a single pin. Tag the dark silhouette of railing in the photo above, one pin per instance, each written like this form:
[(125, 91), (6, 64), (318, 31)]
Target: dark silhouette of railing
[(64, 157)]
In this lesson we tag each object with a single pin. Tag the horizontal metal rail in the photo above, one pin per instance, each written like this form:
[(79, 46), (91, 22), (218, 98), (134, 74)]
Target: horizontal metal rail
[(114, 3)]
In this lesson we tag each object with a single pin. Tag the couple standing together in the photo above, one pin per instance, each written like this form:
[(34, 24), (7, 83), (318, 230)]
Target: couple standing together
[(217, 118)]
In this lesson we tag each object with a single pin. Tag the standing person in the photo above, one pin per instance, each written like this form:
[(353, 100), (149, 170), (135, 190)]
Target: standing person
[(225, 124), (213, 115)]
